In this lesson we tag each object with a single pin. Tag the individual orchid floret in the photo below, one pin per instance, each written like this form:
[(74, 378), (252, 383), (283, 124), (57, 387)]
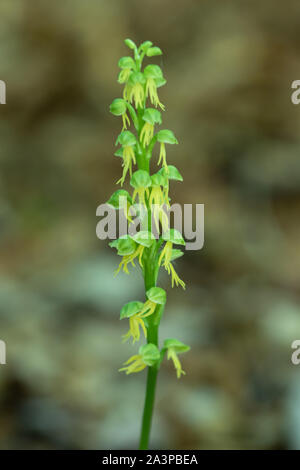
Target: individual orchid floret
[(132, 248), (171, 237), (127, 65), (136, 314), (150, 117), (140, 181), (132, 311), (154, 80), (171, 173), (157, 199), (165, 137), (126, 247), (149, 355), (128, 142), (121, 200), (119, 108), (134, 90), (173, 348), (155, 296)]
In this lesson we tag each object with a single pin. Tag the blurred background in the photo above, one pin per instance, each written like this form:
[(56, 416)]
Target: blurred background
[(229, 67)]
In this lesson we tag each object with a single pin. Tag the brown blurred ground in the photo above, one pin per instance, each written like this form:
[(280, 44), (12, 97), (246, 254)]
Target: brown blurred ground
[(229, 67)]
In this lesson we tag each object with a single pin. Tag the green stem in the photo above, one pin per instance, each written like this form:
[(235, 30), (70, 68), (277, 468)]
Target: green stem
[(152, 337)]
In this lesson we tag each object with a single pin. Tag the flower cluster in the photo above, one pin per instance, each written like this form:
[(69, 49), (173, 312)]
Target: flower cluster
[(140, 107)]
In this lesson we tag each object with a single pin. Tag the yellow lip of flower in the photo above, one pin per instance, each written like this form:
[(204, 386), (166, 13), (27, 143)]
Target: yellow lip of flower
[(128, 160), (177, 364), (137, 320), (156, 202), (163, 157), (125, 120), (165, 257), (147, 133), (134, 364), (151, 91), (136, 93), (127, 259), (124, 75), (141, 192)]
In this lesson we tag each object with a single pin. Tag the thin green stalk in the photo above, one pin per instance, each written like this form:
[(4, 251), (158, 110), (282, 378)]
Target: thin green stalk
[(152, 337)]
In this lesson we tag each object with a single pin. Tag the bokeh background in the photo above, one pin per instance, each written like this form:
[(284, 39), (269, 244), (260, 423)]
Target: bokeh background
[(229, 67)]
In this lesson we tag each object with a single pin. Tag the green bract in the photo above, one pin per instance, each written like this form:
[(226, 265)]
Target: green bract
[(178, 346), (126, 138), (152, 115), (144, 238), (157, 295), (140, 179), (150, 354), (167, 137), (173, 236), (130, 309), (153, 51), (118, 198), (173, 173)]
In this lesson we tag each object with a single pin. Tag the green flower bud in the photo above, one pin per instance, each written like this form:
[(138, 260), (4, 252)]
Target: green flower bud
[(136, 77), (172, 174), (178, 346), (152, 116), (126, 63), (167, 137), (173, 236), (126, 138), (153, 51), (157, 295), (158, 179), (150, 354), (118, 198), (144, 238), (129, 43), (130, 309), (125, 245), (118, 107), (140, 179), (145, 46), (153, 71)]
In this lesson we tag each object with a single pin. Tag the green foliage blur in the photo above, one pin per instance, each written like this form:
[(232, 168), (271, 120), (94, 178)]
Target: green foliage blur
[(229, 68)]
